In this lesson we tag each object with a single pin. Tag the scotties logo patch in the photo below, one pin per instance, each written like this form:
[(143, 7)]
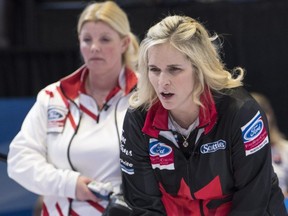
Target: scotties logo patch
[(213, 147)]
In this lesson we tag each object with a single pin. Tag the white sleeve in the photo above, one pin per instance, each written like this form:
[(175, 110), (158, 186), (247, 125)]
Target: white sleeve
[(27, 161)]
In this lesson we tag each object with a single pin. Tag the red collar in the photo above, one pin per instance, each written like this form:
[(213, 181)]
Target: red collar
[(157, 116), (71, 85)]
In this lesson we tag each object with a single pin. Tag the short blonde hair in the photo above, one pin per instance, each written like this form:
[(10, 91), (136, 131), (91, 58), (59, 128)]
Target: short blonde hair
[(192, 39), (110, 13)]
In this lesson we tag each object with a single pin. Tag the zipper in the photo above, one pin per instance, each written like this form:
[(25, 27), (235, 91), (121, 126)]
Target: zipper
[(116, 122), (201, 207), (75, 132)]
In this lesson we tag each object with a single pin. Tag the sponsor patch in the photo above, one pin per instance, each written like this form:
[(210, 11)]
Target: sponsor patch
[(126, 167), (161, 155), (213, 147), (122, 146), (254, 135), (56, 118)]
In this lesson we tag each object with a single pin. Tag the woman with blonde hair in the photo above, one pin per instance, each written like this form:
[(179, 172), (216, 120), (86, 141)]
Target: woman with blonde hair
[(194, 141), (70, 139)]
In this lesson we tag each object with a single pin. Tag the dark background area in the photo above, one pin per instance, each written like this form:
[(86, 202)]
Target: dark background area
[(39, 41)]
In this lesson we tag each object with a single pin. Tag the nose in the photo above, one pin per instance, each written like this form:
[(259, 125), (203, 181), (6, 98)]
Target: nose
[(164, 79), (95, 47)]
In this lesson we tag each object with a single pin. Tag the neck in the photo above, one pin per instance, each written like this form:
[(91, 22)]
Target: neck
[(99, 79), (99, 86), (185, 118)]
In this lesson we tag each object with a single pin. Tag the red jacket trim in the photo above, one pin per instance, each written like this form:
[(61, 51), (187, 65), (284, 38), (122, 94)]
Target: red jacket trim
[(71, 85), (157, 116)]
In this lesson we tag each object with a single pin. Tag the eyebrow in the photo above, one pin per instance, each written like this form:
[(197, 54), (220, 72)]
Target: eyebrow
[(151, 65), (172, 65)]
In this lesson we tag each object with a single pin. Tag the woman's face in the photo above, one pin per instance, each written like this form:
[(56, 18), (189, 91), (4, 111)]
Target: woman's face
[(172, 77), (101, 46)]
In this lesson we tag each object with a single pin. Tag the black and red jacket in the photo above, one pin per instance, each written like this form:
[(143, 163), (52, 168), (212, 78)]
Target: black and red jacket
[(228, 170)]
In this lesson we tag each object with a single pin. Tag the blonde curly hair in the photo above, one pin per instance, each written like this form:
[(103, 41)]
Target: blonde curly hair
[(192, 39)]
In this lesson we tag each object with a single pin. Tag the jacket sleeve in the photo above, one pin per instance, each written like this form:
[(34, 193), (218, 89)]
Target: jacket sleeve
[(251, 164), (28, 163), (141, 189)]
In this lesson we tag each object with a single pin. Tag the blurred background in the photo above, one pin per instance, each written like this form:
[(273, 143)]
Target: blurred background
[(38, 45)]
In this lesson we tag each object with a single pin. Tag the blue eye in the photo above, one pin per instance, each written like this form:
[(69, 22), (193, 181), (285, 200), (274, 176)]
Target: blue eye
[(174, 70), (105, 39), (87, 40), (153, 69)]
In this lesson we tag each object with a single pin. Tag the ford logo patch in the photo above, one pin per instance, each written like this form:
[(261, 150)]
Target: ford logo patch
[(160, 149), (254, 130), (55, 114)]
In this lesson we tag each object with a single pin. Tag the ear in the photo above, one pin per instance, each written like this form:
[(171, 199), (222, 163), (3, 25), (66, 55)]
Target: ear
[(125, 43)]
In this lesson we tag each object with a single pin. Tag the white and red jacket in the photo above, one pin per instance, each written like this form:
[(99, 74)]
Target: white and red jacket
[(65, 135)]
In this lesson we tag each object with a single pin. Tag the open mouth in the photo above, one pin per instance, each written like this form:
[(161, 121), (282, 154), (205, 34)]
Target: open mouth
[(166, 94)]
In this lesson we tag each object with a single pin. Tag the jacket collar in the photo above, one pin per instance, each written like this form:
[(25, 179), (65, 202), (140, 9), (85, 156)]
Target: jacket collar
[(72, 85), (157, 116)]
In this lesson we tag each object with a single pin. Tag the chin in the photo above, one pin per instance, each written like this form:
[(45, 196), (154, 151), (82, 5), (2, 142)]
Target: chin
[(167, 105)]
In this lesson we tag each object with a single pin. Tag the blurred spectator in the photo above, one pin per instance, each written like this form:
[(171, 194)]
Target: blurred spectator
[(38, 206), (279, 144)]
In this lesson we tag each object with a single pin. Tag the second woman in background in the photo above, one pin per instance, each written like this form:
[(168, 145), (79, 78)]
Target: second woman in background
[(71, 135), (279, 144)]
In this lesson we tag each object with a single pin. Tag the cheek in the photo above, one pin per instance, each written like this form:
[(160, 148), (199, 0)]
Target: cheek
[(112, 51), (153, 79), (189, 80), (109, 51), (84, 51)]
